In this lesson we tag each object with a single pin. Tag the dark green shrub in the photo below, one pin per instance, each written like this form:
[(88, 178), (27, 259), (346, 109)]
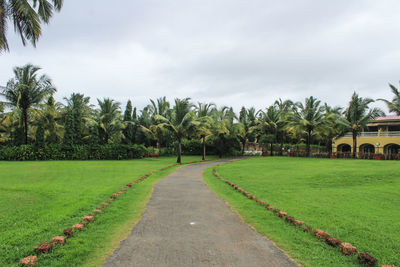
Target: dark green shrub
[(74, 152)]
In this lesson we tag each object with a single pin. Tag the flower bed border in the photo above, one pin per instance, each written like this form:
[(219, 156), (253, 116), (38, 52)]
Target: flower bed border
[(48, 247), (345, 248)]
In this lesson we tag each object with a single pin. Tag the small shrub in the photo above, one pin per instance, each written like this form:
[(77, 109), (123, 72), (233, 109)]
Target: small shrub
[(282, 214), (44, 247), (68, 232), (28, 261), (334, 242), (347, 249), (60, 240), (320, 234), (367, 259)]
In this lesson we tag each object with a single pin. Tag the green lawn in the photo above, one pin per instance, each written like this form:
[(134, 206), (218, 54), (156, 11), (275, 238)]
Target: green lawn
[(356, 201), (40, 199)]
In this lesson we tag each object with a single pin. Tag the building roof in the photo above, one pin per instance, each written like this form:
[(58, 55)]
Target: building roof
[(387, 118)]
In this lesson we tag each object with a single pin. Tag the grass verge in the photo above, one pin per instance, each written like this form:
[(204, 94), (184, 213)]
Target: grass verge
[(353, 200), (39, 199)]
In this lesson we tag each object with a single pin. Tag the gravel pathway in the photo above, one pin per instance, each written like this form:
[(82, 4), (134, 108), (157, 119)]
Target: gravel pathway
[(186, 224)]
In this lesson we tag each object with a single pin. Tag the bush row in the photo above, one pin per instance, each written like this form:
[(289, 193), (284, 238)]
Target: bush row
[(75, 152)]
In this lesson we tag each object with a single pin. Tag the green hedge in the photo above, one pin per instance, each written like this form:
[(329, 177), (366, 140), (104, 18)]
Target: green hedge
[(75, 152)]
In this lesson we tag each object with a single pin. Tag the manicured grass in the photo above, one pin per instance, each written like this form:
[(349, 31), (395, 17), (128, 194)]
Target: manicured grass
[(40, 199), (356, 201)]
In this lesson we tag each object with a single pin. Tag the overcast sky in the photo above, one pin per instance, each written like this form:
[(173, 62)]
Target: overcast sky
[(229, 52)]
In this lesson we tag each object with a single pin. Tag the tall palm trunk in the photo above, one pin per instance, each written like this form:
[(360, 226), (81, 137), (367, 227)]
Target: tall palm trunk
[(329, 146), (272, 144), (204, 148), (179, 152), (281, 148), (25, 118), (354, 144), (308, 143), (272, 149)]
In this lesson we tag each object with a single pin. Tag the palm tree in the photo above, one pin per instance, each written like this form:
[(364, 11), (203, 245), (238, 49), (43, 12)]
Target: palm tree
[(204, 109), (109, 118), (26, 91), (3, 127), (244, 128), (334, 122), (284, 108), (306, 119), (223, 128), (27, 17), (270, 124), (204, 113), (78, 114), (49, 117), (358, 115), (162, 107), (394, 105), (181, 124)]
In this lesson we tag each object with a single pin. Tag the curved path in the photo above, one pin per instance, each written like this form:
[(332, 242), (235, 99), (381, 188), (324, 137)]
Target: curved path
[(186, 224)]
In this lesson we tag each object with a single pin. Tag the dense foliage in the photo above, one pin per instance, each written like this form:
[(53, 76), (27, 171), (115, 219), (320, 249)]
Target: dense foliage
[(34, 126), (74, 152)]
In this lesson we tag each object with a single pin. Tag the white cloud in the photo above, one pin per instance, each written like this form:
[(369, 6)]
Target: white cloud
[(227, 52)]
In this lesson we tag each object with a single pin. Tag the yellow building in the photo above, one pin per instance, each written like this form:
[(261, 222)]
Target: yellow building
[(381, 137)]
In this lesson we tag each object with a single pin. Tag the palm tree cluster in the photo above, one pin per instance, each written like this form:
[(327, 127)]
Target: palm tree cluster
[(29, 114)]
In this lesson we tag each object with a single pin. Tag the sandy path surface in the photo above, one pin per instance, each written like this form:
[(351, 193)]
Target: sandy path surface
[(186, 224)]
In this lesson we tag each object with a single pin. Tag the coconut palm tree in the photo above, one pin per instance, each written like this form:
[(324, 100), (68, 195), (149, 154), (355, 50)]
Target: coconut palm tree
[(27, 17), (162, 107), (394, 105), (334, 125), (78, 115), (284, 108), (270, 124), (205, 120), (224, 130), (203, 130), (50, 117), (109, 118), (3, 127), (306, 119), (25, 91), (204, 109), (358, 115), (244, 128), (181, 124)]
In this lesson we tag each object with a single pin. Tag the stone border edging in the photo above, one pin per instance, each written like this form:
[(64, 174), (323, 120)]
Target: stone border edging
[(345, 248), (47, 247)]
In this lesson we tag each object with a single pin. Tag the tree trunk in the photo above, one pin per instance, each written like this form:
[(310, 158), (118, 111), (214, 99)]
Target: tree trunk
[(280, 150), (308, 144), (354, 144), (204, 148), (330, 147), (25, 118), (272, 144), (244, 145), (179, 152)]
